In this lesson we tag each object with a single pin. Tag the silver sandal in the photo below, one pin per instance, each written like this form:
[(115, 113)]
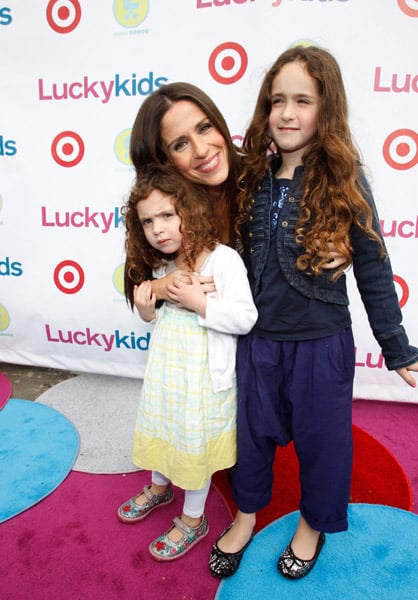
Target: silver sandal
[(131, 512)]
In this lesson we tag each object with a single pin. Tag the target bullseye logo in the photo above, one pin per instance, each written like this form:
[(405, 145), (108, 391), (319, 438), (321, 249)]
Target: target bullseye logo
[(67, 149), (69, 277), (409, 7), (228, 63), (400, 149), (404, 290), (63, 16)]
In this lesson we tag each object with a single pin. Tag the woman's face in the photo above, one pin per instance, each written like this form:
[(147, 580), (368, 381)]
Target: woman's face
[(193, 145)]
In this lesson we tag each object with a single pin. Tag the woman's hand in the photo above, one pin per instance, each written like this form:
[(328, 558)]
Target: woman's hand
[(403, 372), (335, 258), (160, 286), (144, 300), (189, 295)]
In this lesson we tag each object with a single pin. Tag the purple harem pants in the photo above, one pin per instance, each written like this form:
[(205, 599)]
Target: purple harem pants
[(299, 391)]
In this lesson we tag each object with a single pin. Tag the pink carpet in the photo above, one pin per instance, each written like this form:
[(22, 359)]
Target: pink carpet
[(72, 546), (5, 390), (395, 425)]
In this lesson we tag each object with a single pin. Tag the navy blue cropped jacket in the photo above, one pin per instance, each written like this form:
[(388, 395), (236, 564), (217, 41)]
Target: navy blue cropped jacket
[(372, 272)]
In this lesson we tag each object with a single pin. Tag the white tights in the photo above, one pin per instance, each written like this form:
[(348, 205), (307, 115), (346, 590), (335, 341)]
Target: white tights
[(194, 500)]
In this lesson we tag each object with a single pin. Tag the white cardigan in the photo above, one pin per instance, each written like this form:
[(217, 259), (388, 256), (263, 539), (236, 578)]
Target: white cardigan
[(230, 311)]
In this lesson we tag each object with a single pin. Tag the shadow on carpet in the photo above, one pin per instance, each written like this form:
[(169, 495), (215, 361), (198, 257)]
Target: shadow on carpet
[(38, 447), (377, 478), (375, 558), (72, 546)]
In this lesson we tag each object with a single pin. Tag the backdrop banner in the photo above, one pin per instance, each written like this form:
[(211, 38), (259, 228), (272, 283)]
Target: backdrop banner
[(73, 74)]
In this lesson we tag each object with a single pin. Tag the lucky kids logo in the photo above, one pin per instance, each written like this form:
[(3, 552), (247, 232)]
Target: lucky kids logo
[(5, 15), (86, 217), (106, 341), (87, 88), (219, 3)]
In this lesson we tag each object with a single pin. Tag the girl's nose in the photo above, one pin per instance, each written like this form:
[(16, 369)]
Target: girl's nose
[(157, 226), (287, 112)]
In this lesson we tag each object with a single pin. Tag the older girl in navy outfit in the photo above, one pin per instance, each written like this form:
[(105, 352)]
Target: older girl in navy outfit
[(304, 187)]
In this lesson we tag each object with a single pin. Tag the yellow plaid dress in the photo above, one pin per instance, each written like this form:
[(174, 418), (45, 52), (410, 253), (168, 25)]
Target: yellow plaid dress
[(183, 429)]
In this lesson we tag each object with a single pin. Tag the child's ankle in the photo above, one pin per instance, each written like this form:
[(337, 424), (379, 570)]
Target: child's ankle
[(191, 521), (158, 490)]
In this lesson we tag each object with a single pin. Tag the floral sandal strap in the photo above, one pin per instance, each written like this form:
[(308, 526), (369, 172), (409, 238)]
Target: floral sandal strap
[(182, 526), (147, 493)]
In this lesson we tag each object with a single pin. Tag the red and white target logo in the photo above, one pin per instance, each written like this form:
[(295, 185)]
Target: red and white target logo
[(67, 149), (63, 16), (228, 63), (400, 149), (404, 295), (409, 7), (69, 277)]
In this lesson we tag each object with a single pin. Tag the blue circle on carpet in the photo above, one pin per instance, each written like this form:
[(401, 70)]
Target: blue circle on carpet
[(376, 558), (38, 447)]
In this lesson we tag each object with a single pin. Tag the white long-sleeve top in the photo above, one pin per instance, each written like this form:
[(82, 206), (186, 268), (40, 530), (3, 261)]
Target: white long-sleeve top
[(230, 311)]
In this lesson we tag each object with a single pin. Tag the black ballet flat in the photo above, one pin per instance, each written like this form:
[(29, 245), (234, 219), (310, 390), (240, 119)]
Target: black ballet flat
[(292, 567), (225, 564)]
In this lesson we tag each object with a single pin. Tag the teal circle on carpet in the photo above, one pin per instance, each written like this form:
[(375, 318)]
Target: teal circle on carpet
[(38, 447), (376, 558)]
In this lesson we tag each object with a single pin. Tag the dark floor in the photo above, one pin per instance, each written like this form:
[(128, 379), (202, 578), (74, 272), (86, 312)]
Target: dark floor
[(29, 382)]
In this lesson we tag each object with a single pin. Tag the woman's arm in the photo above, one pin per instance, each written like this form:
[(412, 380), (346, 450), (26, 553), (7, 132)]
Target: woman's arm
[(160, 287)]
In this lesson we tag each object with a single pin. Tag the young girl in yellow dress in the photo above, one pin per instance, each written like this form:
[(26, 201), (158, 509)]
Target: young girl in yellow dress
[(186, 424)]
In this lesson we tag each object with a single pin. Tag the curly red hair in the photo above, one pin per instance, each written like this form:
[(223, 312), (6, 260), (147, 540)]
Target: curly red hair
[(191, 203)]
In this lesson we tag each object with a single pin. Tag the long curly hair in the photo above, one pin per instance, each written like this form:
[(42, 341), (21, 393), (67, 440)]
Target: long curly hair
[(333, 198), (192, 205)]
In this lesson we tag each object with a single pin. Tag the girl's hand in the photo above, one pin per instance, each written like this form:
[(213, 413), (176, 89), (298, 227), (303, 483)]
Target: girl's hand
[(189, 295), (403, 372), (206, 283), (144, 300)]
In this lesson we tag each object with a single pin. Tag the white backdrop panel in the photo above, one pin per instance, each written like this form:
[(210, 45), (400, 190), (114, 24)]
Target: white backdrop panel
[(73, 74)]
